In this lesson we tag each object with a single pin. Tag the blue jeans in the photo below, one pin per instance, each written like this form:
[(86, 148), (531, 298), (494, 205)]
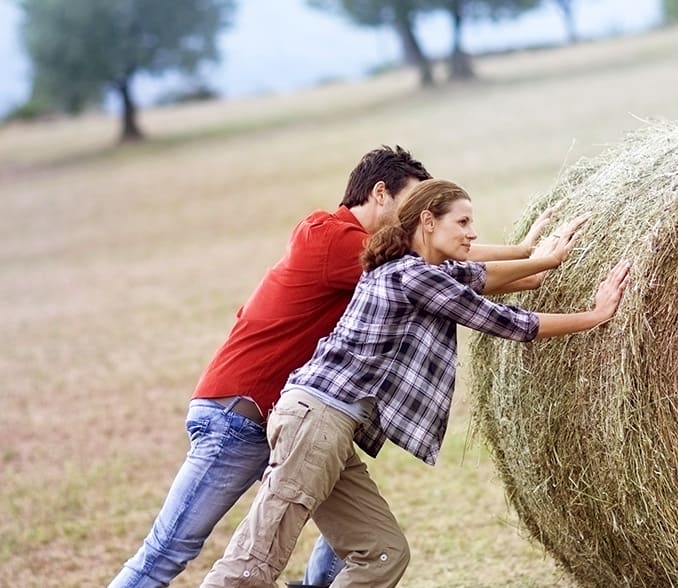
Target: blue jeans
[(323, 565), (228, 453)]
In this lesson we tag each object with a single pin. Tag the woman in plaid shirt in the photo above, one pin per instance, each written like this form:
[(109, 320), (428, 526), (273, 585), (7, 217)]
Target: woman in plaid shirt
[(387, 371)]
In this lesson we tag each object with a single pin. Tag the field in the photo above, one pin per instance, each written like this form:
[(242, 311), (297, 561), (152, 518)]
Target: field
[(121, 270)]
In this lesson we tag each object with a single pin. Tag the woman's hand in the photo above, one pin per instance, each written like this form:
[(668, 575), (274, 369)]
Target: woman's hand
[(560, 243), (610, 291), (607, 301)]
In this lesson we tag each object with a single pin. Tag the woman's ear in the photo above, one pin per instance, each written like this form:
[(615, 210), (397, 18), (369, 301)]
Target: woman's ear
[(427, 221)]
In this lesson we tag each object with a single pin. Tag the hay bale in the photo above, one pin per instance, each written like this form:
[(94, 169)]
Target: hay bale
[(584, 429)]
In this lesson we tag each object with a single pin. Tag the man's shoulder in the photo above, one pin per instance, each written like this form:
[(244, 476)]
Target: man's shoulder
[(341, 217), (327, 224)]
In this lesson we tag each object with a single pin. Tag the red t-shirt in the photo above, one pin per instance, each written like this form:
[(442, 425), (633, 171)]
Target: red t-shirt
[(298, 302)]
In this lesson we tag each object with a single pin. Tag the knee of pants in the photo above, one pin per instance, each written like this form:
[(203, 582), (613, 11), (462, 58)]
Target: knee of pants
[(389, 558), (396, 557)]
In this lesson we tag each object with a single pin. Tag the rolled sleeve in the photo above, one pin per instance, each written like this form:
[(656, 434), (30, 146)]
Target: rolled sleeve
[(501, 320), (471, 274), (437, 292)]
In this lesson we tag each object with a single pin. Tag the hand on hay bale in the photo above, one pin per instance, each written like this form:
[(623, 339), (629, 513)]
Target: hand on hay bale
[(607, 301), (529, 242), (559, 243), (583, 429), (549, 254)]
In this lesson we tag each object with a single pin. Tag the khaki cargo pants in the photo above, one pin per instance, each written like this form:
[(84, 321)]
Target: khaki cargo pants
[(314, 472)]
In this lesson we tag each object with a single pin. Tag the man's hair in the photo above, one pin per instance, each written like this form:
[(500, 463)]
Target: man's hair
[(394, 167)]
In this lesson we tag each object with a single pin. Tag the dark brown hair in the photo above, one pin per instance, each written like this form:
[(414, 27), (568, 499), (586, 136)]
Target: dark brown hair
[(392, 166)]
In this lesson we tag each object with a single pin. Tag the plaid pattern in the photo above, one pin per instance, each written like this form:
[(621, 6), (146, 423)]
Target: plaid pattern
[(397, 342)]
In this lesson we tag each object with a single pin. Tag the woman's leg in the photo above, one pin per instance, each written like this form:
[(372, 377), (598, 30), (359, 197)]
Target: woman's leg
[(310, 444), (358, 523)]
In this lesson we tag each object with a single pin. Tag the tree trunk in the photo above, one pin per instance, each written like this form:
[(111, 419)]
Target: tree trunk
[(568, 16), (459, 65), (130, 128), (413, 53)]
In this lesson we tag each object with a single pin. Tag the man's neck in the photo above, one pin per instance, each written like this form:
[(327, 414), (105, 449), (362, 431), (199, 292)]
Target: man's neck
[(366, 215)]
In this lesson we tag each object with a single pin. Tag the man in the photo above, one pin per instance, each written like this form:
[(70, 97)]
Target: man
[(297, 302)]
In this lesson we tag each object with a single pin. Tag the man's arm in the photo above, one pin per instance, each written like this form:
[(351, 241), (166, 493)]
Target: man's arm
[(560, 243), (522, 250)]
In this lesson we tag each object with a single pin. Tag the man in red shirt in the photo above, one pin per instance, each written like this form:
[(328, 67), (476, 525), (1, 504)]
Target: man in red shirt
[(297, 302)]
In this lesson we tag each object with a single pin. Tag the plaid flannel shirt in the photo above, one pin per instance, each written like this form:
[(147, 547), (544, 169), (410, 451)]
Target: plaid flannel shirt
[(397, 343)]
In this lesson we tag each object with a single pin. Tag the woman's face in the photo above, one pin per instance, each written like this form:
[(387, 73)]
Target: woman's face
[(452, 233)]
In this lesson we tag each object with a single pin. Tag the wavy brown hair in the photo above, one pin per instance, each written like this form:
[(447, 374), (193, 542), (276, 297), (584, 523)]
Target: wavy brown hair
[(395, 239)]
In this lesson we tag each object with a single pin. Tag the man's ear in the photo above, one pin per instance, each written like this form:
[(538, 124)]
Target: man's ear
[(380, 192)]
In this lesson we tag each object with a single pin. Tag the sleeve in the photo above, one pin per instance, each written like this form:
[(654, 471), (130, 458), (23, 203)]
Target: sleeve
[(436, 292), (343, 269), (471, 274)]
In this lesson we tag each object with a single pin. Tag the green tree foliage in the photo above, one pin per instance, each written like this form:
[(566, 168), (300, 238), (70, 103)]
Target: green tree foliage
[(398, 14), (79, 48), (670, 11)]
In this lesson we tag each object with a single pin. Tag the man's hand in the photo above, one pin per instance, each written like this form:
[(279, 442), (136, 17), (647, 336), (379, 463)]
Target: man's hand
[(530, 240), (560, 243)]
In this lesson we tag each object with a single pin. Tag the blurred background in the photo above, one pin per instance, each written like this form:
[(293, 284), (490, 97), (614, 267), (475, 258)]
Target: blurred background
[(154, 156), (269, 47)]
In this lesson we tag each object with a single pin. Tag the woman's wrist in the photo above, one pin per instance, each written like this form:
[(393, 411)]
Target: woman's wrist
[(555, 261), (599, 316)]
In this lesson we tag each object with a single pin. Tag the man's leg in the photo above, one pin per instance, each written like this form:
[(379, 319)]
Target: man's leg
[(358, 523), (310, 443), (228, 454), (323, 564)]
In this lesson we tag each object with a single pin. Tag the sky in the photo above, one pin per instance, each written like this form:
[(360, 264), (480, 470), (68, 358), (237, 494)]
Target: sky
[(283, 45)]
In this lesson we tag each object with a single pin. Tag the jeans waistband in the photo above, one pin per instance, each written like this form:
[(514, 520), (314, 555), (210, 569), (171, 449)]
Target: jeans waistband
[(239, 405)]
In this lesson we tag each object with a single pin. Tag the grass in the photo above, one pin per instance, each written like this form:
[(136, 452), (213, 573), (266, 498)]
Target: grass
[(121, 269)]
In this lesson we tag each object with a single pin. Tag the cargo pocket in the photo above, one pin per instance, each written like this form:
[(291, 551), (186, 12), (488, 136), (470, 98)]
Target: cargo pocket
[(283, 430), (274, 525)]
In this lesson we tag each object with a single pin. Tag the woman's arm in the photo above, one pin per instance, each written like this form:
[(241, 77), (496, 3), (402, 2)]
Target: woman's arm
[(519, 275), (486, 252), (480, 252), (606, 303)]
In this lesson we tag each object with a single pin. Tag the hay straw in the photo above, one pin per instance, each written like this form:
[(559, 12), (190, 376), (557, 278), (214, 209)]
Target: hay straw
[(584, 429)]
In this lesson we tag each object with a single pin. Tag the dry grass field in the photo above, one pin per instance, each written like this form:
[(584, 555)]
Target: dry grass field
[(121, 270)]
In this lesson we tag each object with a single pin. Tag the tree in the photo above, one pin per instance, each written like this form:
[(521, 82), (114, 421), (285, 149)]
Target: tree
[(670, 11), (461, 11), (80, 48), (567, 11), (398, 14)]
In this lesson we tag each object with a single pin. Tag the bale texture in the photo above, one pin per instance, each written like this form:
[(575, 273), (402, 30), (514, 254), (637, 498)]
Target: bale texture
[(584, 429)]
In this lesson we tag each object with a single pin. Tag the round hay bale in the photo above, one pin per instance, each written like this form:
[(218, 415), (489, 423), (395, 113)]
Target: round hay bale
[(584, 429)]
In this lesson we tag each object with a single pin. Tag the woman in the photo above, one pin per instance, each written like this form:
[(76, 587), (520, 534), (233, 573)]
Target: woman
[(387, 371)]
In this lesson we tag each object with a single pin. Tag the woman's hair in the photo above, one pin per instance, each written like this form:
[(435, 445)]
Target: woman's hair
[(395, 239)]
